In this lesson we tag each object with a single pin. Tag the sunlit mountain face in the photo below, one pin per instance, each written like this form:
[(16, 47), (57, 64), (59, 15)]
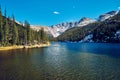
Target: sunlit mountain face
[(58, 29), (106, 31)]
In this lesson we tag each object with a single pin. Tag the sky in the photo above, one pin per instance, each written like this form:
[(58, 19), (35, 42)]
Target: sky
[(51, 12)]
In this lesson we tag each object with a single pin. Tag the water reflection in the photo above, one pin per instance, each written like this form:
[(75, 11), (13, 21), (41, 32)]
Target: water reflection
[(62, 61)]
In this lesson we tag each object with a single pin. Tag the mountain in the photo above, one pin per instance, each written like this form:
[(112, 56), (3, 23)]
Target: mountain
[(107, 15), (58, 29), (46, 29), (62, 27), (104, 31), (85, 21), (77, 33)]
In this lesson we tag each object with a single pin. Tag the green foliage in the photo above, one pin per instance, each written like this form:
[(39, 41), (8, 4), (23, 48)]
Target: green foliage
[(43, 36), (27, 25), (12, 33), (1, 28), (6, 32)]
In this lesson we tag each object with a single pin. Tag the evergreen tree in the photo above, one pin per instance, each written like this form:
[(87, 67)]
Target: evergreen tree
[(12, 33), (6, 30), (32, 36), (15, 33), (27, 25), (43, 35), (24, 37), (1, 28)]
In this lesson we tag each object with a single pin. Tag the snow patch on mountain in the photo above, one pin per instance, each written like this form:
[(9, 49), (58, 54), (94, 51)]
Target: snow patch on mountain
[(85, 21), (117, 35), (60, 28), (88, 38), (105, 16)]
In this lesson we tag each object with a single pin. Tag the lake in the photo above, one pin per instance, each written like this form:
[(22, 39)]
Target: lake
[(62, 61)]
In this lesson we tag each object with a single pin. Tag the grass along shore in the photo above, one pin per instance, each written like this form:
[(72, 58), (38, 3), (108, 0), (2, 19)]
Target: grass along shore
[(24, 46)]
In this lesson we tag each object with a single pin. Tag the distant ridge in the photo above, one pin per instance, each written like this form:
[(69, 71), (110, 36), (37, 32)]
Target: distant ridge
[(58, 29)]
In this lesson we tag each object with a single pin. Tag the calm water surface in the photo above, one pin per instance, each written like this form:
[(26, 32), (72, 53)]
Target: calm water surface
[(62, 61)]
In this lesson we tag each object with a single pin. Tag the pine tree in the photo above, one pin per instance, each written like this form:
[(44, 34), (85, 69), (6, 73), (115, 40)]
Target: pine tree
[(12, 33), (1, 28), (6, 30), (27, 25), (32, 36), (43, 35), (24, 40), (15, 33)]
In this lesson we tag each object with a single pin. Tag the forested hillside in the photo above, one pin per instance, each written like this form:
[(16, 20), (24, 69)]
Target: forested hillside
[(106, 31), (12, 33)]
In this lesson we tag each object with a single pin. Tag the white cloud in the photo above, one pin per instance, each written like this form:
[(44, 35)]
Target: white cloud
[(119, 7), (56, 12)]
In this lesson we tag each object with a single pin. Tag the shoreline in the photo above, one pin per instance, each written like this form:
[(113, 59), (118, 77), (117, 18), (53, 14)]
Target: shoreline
[(24, 46)]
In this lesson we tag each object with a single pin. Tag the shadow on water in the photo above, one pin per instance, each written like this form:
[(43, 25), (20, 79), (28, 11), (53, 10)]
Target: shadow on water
[(109, 49)]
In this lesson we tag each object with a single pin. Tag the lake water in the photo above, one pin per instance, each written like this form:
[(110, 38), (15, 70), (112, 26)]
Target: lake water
[(62, 61)]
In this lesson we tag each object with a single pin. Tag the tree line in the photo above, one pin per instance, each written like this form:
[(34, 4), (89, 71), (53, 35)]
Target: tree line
[(12, 33)]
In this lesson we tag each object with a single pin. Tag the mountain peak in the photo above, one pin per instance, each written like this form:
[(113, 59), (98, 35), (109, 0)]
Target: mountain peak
[(107, 15), (85, 21), (84, 18), (111, 12)]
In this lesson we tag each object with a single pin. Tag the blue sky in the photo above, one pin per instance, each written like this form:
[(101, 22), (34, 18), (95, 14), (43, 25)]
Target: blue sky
[(48, 12)]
